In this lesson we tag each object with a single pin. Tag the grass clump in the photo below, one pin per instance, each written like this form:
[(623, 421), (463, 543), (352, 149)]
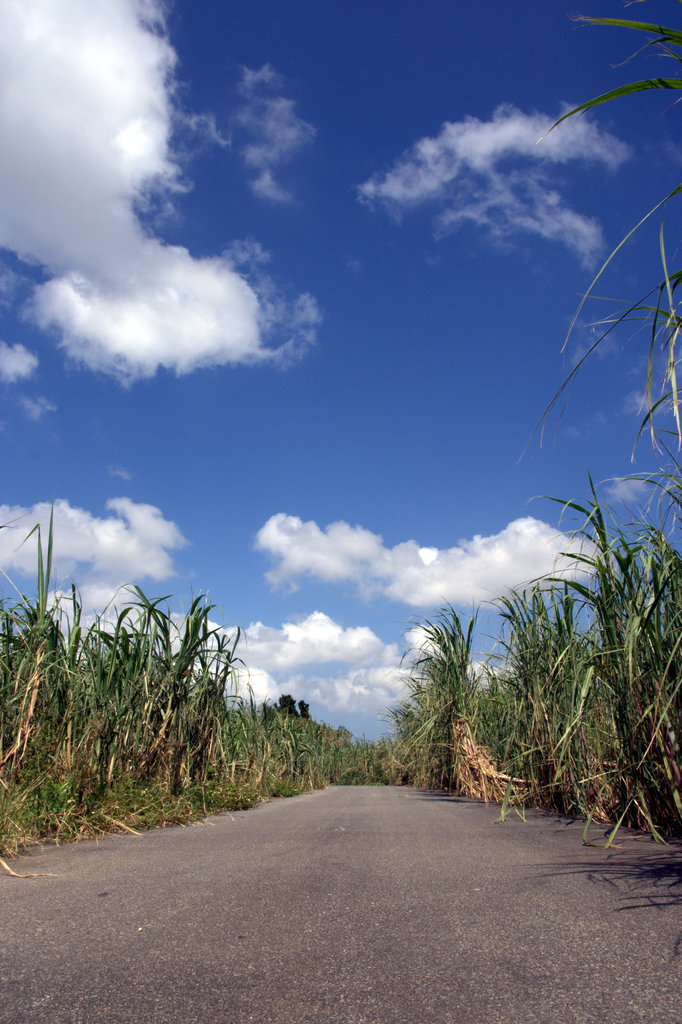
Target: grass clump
[(581, 712), (137, 722)]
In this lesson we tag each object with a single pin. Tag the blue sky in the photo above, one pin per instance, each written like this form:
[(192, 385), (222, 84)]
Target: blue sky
[(284, 290)]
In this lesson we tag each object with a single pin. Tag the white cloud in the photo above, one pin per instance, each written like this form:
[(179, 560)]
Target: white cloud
[(494, 174), (9, 283), (121, 472), (36, 408), (99, 554), (300, 318), (316, 639), (368, 690), (628, 490), (161, 309), (16, 362), (275, 129), (86, 115), (474, 570), (636, 402), (251, 681), (344, 669)]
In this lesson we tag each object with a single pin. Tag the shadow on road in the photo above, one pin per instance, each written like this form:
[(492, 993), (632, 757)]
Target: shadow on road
[(441, 795), (644, 873), (652, 880)]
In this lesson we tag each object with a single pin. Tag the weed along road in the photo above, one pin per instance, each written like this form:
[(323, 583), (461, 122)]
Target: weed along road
[(354, 905)]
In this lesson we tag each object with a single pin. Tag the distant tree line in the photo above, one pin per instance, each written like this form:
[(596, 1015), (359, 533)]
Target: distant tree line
[(286, 705)]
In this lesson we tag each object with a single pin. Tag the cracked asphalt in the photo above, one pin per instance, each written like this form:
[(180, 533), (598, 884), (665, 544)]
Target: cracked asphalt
[(352, 905)]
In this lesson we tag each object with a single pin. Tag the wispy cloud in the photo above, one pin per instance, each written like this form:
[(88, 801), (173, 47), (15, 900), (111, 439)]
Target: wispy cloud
[(36, 408), (628, 490), (16, 362), (274, 128), (495, 174), (9, 284), (476, 569), (635, 402), (120, 472), (86, 117), (298, 317)]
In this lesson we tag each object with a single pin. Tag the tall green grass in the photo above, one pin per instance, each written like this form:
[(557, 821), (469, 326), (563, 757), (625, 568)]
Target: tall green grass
[(580, 709), (138, 720)]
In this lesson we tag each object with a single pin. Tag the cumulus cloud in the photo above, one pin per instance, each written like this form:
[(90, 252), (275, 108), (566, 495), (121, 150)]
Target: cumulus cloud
[(473, 570), (99, 553), (315, 639), (274, 128), (496, 175), (344, 669), (367, 689), (86, 114), (16, 362)]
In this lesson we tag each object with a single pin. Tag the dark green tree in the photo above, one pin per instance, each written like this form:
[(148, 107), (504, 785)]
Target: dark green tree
[(286, 705)]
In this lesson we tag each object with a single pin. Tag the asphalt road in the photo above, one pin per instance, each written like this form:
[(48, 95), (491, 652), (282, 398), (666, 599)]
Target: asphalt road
[(352, 905)]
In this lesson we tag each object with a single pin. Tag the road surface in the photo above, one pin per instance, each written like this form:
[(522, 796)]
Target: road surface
[(351, 905)]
